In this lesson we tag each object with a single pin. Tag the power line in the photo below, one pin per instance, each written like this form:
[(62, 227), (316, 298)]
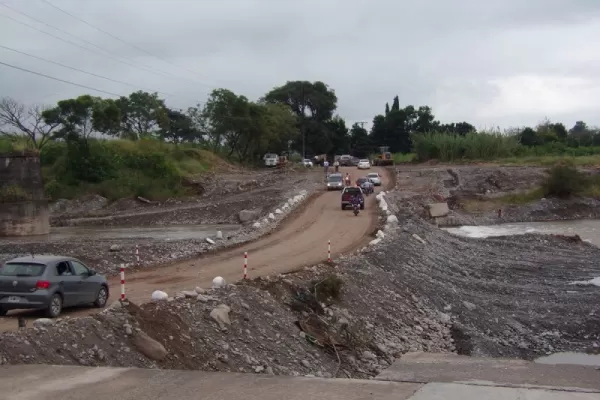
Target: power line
[(59, 80), (85, 72), (143, 67), (118, 38)]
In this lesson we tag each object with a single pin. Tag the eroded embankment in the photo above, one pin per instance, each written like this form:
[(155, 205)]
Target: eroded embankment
[(419, 288)]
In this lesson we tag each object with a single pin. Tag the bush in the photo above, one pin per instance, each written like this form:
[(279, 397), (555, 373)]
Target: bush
[(565, 180), (328, 288)]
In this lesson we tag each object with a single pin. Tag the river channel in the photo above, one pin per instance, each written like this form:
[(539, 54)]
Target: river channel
[(587, 229)]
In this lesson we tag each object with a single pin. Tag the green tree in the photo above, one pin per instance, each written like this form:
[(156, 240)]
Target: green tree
[(529, 137), (337, 139), (178, 127), (83, 116), (142, 114), (387, 108), (314, 103), (360, 141), (396, 104)]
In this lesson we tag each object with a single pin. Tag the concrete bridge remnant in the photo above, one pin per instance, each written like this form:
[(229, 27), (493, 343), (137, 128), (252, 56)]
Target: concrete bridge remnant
[(23, 205)]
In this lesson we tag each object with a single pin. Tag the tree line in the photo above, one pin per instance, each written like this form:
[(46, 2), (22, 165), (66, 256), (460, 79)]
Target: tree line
[(299, 115)]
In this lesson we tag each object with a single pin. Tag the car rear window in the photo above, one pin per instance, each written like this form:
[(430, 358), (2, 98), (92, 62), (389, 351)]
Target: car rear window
[(353, 190), (373, 175), (334, 179), (22, 269)]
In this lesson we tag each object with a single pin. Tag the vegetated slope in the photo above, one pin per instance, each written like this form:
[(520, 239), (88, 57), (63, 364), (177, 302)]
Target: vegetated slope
[(123, 168), (509, 296)]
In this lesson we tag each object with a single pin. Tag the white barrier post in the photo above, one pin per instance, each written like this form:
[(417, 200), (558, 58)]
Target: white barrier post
[(137, 255), (329, 251), (245, 265), (122, 282)]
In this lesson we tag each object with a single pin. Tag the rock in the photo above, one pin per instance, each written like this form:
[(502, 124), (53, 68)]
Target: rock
[(419, 238), (204, 299), (256, 225), (269, 371), (367, 355), (221, 315), (43, 322), (219, 235), (271, 216), (149, 347), (392, 219), (374, 242), (380, 234), (199, 290), (190, 294), (278, 211), (115, 247), (209, 241), (343, 322), (159, 295), (128, 329), (248, 215), (218, 282), (469, 306), (305, 363), (258, 369)]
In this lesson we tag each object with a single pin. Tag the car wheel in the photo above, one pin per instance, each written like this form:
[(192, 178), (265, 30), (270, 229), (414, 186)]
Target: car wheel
[(3, 311), (55, 306), (343, 207), (362, 206), (101, 297)]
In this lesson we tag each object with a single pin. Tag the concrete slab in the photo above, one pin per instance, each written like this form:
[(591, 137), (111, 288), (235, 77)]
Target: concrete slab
[(46, 382), (453, 391), (431, 367), (438, 210)]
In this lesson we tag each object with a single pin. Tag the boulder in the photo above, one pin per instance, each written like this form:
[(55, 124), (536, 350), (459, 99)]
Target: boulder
[(209, 241), (278, 211), (149, 347), (159, 295), (189, 293), (248, 215), (219, 235), (392, 219), (374, 242), (256, 225), (271, 216), (218, 282), (438, 210), (43, 322)]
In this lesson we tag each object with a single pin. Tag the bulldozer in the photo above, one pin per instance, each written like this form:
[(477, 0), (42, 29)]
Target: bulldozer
[(384, 157)]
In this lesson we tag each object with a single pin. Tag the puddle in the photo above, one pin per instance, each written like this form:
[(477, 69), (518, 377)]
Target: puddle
[(570, 358), (171, 232)]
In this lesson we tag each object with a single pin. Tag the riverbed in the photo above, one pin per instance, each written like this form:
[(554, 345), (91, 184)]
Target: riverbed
[(588, 230), (166, 233)]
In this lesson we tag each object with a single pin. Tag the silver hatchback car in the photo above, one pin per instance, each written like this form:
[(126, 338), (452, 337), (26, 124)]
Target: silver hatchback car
[(50, 283)]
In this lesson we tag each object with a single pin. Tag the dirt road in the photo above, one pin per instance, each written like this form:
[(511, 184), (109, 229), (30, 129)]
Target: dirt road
[(301, 241)]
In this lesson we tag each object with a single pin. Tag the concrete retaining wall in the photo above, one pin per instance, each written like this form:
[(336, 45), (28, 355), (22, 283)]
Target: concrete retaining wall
[(23, 206)]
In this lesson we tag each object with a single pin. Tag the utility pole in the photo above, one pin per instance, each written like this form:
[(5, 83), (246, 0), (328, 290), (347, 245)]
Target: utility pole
[(362, 124), (302, 123)]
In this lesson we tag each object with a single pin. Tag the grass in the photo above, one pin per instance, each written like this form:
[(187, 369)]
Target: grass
[(120, 168)]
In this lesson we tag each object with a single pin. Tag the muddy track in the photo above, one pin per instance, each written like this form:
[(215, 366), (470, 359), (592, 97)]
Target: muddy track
[(301, 240)]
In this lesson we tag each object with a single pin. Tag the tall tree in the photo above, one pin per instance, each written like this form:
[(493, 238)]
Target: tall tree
[(26, 121), (142, 113), (178, 127), (396, 104), (83, 116), (314, 103), (360, 141), (387, 108)]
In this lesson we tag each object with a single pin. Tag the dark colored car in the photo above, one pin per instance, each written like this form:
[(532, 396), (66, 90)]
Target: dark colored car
[(50, 283), (346, 160), (347, 195), (360, 182), (335, 182)]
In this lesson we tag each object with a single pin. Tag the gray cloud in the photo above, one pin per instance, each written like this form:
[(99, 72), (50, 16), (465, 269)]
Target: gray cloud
[(490, 63)]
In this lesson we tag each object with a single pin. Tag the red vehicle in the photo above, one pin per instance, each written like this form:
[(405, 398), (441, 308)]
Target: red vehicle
[(348, 193)]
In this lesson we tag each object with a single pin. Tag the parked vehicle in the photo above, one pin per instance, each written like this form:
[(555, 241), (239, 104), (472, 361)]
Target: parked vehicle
[(363, 164), (50, 283), (375, 178), (335, 182), (282, 161), (307, 163), (271, 159), (347, 194), (346, 160)]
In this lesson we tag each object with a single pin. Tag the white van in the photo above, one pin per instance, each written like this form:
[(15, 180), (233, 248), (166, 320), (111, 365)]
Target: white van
[(271, 159)]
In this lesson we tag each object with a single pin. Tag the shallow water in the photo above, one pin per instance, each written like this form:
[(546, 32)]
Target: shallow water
[(171, 232), (587, 229), (570, 358)]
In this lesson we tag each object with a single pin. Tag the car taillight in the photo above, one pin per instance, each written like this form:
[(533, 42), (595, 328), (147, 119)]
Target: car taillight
[(42, 284)]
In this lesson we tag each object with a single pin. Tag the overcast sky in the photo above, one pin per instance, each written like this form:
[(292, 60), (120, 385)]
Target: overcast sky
[(492, 63)]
